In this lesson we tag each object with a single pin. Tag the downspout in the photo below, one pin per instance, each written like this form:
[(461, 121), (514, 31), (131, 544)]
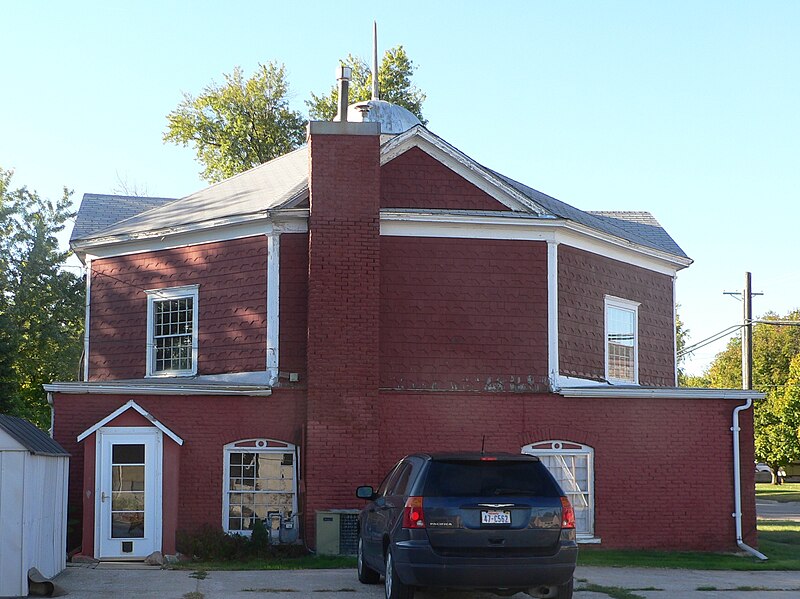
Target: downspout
[(737, 483)]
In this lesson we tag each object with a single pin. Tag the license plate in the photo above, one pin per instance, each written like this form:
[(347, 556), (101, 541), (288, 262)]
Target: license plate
[(495, 517)]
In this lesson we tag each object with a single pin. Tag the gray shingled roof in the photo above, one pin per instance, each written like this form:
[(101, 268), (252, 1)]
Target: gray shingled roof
[(100, 211), (637, 227), (30, 437), (254, 191), (277, 183)]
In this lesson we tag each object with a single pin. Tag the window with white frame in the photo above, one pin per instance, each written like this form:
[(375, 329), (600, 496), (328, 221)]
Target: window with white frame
[(172, 331), (622, 340), (260, 484), (572, 465)]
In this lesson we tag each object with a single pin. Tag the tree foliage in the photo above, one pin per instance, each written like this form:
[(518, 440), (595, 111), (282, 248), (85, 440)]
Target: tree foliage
[(394, 81), (240, 124), (41, 304), (245, 122), (776, 372)]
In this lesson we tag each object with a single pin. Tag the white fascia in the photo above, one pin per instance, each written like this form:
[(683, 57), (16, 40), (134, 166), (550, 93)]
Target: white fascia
[(145, 388), (603, 391), (273, 305), (282, 221), (526, 227)]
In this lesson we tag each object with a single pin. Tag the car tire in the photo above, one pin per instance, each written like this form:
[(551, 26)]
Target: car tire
[(395, 589), (366, 575), (565, 590)]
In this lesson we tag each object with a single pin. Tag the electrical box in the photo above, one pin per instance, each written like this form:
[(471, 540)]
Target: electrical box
[(337, 532)]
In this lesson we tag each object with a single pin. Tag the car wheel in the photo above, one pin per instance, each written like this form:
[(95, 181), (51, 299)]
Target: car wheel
[(366, 575), (565, 590), (395, 589)]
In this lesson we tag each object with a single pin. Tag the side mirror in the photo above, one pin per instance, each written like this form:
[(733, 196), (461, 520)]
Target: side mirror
[(365, 493)]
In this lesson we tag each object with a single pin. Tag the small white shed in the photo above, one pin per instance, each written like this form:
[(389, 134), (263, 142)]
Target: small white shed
[(33, 504)]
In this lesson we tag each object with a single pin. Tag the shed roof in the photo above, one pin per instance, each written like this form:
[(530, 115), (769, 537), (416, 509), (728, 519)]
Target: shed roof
[(31, 437)]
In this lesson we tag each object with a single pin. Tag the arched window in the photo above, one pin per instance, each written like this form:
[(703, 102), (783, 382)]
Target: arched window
[(260, 482), (572, 465)]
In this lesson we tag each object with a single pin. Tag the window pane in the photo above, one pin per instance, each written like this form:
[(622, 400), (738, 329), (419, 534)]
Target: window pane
[(172, 334), (621, 343), (127, 453)]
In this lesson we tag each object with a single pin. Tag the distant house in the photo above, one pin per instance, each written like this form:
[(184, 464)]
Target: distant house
[(259, 348)]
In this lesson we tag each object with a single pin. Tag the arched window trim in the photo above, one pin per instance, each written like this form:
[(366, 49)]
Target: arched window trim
[(255, 445), (573, 449)]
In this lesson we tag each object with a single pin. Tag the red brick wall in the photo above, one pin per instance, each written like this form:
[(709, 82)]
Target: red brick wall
[(663, 468), (464, 314), (343, 314), (583, 281), (293, 304), (205, 423), (232, 304), (663, 474), (416, 180)]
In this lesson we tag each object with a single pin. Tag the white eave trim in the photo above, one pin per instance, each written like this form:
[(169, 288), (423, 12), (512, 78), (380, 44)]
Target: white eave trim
[(263, 223), (612, 392), (529, 227), (124, 408), (156, 389)]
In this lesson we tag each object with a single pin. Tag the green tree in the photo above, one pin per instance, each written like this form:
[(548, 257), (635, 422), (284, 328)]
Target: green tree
[(776, 372), (41, 310), (240, 124), (394, 80)]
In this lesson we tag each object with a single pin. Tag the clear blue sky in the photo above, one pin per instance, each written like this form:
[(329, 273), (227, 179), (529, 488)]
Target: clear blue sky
[(687, 109)]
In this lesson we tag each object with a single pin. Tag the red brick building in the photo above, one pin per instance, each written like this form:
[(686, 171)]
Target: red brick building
[(261, 347)]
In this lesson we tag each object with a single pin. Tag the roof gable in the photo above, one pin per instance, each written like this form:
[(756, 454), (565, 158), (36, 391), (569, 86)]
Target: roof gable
[(416, 180), (30, 436), (124, 408)]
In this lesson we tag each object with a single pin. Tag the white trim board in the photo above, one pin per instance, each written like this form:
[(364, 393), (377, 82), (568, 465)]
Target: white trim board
[(145, 388), (517, 227), (124, 408), (290, 221)]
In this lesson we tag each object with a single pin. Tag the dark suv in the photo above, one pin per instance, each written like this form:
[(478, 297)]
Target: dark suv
[(497, 522)]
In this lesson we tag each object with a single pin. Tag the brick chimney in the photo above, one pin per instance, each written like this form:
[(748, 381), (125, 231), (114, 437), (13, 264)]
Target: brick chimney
[(343, 313)]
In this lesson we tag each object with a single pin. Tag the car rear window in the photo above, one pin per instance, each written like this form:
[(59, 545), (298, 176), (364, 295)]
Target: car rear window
[(473, 478)]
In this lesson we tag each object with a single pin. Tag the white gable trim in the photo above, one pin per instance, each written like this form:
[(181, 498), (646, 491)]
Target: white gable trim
[(125, 408), (461, 164)]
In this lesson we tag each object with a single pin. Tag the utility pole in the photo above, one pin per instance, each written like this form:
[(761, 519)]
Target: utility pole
[(747, 334)]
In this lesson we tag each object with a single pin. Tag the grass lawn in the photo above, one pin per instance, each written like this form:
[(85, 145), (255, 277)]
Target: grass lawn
[(778, 540), (782, 493)]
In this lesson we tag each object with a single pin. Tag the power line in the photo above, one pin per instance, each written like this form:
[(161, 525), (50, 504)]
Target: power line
[(708, 340)]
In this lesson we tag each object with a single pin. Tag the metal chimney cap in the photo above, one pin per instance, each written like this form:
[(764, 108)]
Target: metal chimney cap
[(343, 72)]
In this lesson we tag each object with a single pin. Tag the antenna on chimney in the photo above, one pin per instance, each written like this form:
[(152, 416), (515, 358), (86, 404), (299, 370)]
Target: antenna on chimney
[(375, 94), (343, 74)]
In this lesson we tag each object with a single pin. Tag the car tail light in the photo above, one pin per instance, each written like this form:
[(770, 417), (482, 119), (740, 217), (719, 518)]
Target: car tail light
[(413, 516), (567, 514)]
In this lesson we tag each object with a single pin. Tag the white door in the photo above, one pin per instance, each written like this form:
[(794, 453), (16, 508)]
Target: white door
[(128, 502)]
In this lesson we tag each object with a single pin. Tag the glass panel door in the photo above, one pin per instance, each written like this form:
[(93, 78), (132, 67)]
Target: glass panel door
[(127, 491)]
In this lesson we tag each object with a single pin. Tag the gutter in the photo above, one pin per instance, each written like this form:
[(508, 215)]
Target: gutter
[(737, 482)]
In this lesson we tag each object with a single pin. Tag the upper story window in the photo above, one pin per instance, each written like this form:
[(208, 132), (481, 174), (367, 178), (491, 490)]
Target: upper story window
[(172, 331), (622, 340)]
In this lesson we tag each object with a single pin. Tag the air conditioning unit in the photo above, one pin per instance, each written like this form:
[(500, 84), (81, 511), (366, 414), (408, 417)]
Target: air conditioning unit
[(337, 532)]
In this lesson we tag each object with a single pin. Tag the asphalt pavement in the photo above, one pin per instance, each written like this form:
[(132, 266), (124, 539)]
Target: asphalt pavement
[(775, 510), (145, 582)]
